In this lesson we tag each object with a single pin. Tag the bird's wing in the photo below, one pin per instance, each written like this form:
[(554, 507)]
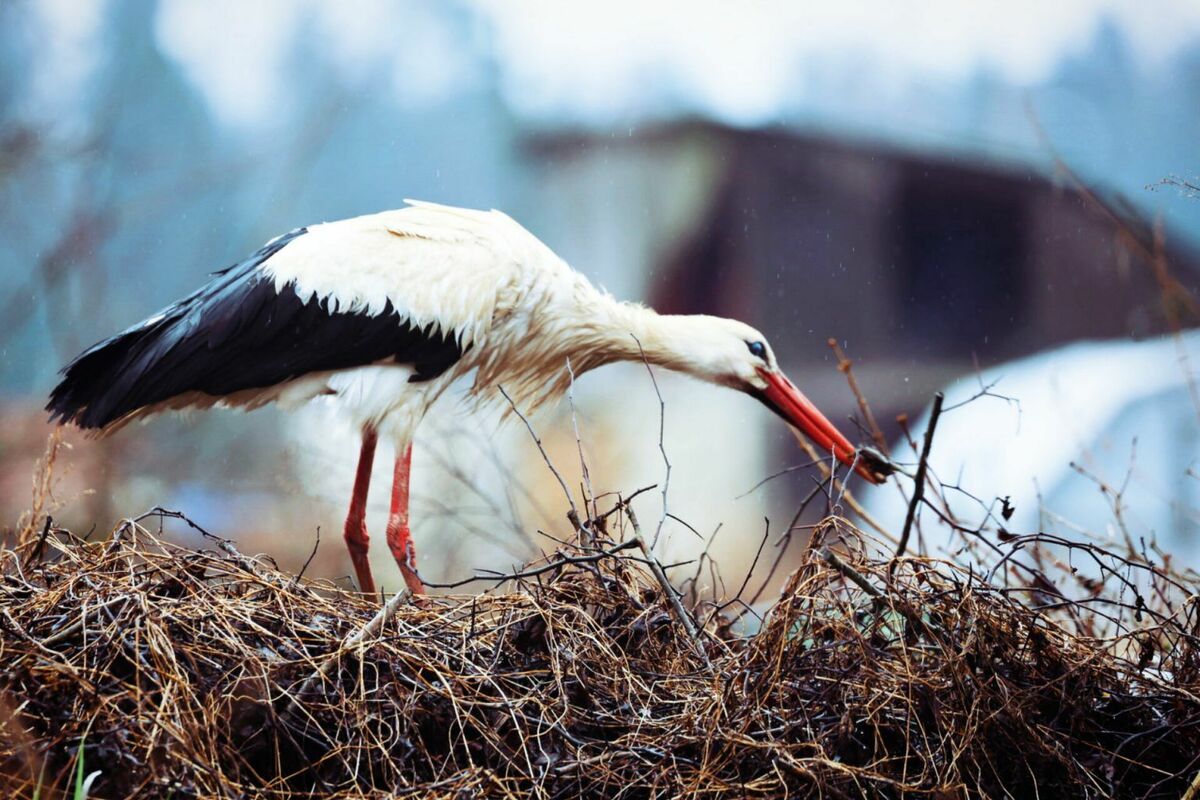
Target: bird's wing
[(437, 266), (416, 286)]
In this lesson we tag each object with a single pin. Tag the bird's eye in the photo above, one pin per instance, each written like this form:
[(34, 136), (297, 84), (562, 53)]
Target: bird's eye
[(757, 349)]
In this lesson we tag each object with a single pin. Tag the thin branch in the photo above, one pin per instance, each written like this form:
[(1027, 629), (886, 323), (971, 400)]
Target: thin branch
[(662, 427), (300, 575), (373, 627), (774, 475), (757, 556), (846, 494), (919, 488), (573, 515), (562, 561), (672, 596), (589, 496), (845, 365)]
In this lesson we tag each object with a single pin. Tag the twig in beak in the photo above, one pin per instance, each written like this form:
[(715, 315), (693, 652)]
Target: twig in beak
[(846, 494)]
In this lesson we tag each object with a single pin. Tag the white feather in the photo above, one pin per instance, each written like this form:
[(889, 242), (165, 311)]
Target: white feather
[(437, 266)]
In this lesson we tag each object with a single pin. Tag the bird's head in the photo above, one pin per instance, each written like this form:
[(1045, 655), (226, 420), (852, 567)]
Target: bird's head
[(730, 353)]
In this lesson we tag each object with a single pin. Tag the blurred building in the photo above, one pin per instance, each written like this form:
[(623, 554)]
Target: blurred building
[(925, 266)]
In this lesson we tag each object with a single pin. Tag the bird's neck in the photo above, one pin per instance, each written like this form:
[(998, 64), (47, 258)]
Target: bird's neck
[(632, 332), (597, 330)]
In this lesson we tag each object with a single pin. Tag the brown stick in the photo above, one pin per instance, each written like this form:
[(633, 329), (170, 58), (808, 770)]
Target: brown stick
[(672, 596), (662, 430), (847, 571), (373, 626), (845, 493), (845, 365), (831, 558)]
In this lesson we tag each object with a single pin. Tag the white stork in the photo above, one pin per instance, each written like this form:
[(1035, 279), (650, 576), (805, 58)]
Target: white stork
[(382, 313)]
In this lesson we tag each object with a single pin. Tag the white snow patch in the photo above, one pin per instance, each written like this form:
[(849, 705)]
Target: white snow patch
[(1121, 410)]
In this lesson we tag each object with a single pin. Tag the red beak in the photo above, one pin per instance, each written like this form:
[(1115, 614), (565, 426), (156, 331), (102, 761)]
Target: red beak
[(782, 396)]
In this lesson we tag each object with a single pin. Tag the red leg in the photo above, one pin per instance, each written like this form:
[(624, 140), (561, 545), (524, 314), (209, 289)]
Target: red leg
[(399, 537), (355, 532)]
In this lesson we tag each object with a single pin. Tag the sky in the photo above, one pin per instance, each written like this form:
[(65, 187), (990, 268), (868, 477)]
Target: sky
[(237, 53), (900, 71), (743, 63)]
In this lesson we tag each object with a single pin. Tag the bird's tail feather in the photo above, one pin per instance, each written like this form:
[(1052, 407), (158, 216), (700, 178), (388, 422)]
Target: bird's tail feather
[(91, 393)]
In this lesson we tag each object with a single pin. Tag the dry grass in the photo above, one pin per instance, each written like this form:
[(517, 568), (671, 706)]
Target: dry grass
[(182, 669)]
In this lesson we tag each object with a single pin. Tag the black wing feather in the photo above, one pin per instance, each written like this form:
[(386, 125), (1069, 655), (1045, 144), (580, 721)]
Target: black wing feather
[(237, 332)]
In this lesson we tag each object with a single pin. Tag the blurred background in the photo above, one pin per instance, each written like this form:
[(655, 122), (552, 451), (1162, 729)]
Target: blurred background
[(993, 198)]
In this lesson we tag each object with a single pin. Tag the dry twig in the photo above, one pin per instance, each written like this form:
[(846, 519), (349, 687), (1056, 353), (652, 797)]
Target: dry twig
[(374, 627), (685, 619), (846, 366), (919, 482)]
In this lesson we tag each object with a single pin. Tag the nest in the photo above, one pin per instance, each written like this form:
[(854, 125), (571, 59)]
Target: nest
[(207, 673)]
